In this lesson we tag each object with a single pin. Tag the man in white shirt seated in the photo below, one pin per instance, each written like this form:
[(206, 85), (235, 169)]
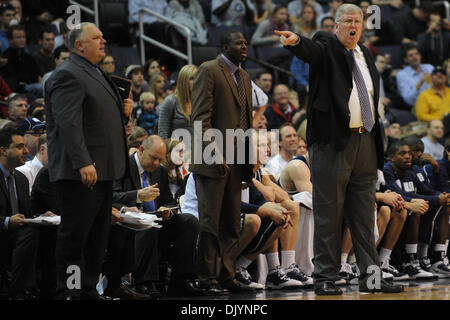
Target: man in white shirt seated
[(31, 168), (435, 132), (288, 148)]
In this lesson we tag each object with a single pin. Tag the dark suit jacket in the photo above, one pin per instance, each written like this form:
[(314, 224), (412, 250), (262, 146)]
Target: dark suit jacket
[(215, 103), (126, 189), (23, 197), (330, 86), (85, 122)]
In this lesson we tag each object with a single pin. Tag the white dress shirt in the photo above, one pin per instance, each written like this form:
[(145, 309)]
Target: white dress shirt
[(30, 169), (354, 104)]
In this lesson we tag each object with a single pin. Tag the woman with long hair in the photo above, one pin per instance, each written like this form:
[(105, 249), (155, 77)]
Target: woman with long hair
[(150, 68), (156, 85), (174, 163), (306, 25), (175, 111)]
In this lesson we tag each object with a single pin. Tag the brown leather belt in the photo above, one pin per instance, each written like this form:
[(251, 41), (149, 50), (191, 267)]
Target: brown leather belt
[(358, 130)]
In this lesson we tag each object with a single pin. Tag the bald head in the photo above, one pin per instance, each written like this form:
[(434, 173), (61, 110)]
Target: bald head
[(152, 152)]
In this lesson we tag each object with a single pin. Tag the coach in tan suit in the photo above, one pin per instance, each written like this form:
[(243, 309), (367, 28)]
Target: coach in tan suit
[(221, 99)]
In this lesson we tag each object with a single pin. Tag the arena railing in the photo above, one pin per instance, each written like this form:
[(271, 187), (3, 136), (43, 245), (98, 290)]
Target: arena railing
[(143, 37), (93, 12)]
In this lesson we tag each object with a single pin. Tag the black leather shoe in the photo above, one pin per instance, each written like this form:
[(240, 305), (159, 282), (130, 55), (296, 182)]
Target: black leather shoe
[(212, 288), (148, 289), (234, 286), (125, 293), (189, 288), (385, 287), (327, 288)]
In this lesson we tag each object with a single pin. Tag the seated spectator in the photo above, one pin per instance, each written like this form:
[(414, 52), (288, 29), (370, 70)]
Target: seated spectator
[(44, 57), (18, 240), (302, 148), (17, 108), (435, 132), (264, 81), (332, 6), (60, 54), (259, 104), (32, 129), (18, 16), (108, 65), (135, 139), (306, 24), (281, 110), (145, 113), (150, 68), (21, 72), (7, 13), (135, 73), (31, 168), (41, 14), (295, 9), (394, 132), (169, 87), (288, 148), (434, 103), (410, 24), (156, 85), (262, 10), (37, 109), (190, 14), (434, 44), (231, 13), (174, 163), (264, 35), (175, 111), (414, 78)]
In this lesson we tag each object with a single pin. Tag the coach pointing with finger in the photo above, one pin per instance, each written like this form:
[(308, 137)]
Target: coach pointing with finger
[(344, 137), (87, 151)]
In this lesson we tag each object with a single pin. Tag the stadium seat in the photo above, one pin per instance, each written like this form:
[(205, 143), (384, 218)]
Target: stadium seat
[(202, 54), (124, 57), (113, 15)]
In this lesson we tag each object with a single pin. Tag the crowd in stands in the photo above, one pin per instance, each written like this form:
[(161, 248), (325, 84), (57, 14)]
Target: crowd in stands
[(412, 208)]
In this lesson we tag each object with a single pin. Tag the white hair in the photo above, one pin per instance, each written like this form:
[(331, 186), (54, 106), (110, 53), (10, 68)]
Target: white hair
[(347, 8)]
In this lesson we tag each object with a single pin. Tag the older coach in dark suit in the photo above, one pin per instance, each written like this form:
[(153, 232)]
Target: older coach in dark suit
[(345, 139), (87, 152), (221, 100)]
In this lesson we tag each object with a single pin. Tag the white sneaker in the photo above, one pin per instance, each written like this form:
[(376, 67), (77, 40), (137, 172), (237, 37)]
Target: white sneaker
[(414, 271), (278, 279), (243, 277), (397, 275), (441, 268), (295, 273)]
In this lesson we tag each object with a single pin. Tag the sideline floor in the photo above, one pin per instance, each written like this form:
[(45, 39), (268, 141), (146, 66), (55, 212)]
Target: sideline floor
[(414, 290)]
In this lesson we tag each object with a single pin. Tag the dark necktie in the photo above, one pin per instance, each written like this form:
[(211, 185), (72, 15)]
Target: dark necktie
[(366, 111), (12, 195), (242, 100), (147, 205)]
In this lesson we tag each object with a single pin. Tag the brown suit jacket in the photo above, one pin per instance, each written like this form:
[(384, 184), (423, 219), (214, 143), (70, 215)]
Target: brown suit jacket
[(215, 103)]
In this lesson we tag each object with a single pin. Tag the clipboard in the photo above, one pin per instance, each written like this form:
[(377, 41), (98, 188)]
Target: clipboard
[(123, 85)]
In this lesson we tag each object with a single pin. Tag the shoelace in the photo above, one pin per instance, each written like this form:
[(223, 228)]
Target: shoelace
[(296, 269), (347, 268)]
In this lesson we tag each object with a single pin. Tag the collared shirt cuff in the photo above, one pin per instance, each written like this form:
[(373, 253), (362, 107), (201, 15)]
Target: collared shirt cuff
[(6, 223)]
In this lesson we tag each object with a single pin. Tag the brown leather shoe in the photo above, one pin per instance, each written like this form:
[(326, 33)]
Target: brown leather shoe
[(125, 293)]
